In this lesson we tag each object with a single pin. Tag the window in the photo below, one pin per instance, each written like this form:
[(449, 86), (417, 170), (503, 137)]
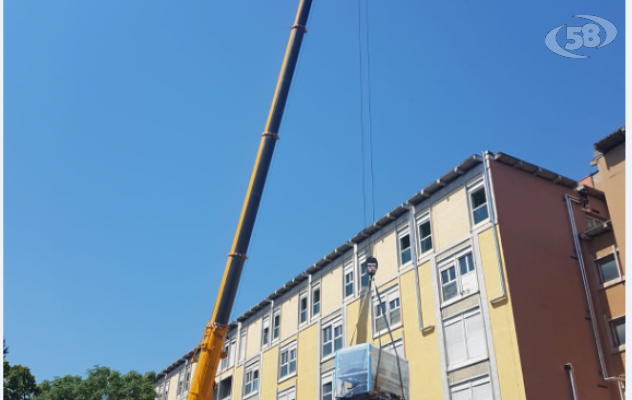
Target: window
[(265, 331), (609, 269), (458, 277), (242, 343), (332, 337), (302, 307), (183, 381), (618, 331), (364, 275), (348, 272), (316, 300), (251, 379), (287, 394), (276, 324), (225, 387), (592, 222), (480, 389), (161, 392), (389, 308), (478, 201), (465, 337), (287, 362), (425, 234), (327, 390), (405, 254), (166, 391), (229, 349)]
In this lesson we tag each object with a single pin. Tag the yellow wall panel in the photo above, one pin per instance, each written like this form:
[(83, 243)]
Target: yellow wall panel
[(331, 289), (363, 333), (269, 374), (385, 250), (237, 377), (173, 387), (253, 339), (286, 384), (502, 321), (612, 300), (450, 219), (289, 316), (307, 358), (422, 350)]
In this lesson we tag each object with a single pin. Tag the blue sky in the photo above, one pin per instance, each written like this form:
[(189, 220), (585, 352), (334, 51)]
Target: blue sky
[(131, 129)]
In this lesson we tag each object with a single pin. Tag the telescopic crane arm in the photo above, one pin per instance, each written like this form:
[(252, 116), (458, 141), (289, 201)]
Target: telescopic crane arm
[(211, 347)]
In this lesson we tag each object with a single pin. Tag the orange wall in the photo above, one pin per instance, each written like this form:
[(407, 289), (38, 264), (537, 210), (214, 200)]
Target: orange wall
[(544, 278)]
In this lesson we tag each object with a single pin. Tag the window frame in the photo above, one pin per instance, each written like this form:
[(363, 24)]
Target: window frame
[(475, 187), (615, 344), (615, 255), (333, 325), (287, 394), (265, 336), (362, 257), (347, 268), (316, 287), (288, 348), (182, 386), (251, 368), (243, 337), (454, 261), (327, 378), (388, 296), (402, 232), (276, 327), (461, 319), (303, 296), (422, 220), (219, 388), (471, 383)]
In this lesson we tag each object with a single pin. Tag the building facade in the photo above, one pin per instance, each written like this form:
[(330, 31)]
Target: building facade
[(499, 280)]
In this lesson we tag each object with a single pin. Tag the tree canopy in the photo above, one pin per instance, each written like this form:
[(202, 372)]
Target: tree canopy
[(100, 383)]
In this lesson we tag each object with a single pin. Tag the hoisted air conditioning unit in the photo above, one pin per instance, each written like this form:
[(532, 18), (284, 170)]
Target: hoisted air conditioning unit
[(366, 372)]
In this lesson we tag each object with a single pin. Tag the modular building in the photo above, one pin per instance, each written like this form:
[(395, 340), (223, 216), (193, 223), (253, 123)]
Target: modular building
[(500, 280)]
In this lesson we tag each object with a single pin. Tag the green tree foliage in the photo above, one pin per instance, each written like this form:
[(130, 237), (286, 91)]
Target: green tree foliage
[(101, 383), (19, 383)]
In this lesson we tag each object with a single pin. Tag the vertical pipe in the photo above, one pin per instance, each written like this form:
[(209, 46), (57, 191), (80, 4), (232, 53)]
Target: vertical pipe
[(569, 368), (492, 216), (591, 308), (414, 241)]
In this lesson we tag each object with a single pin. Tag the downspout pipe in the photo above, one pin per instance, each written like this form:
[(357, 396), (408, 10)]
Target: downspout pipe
[(492, 216), (413, 238), (591, 308), (569, 368)]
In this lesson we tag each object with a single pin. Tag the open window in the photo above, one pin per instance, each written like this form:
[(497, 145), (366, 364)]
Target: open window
[(478, 203), (425, 234), (251, 379), (458, 277)]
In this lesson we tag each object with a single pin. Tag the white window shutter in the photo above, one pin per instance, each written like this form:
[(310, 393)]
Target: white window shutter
[(469, 283), (463, 394), (455, 343), (475, 335), (482, 391)]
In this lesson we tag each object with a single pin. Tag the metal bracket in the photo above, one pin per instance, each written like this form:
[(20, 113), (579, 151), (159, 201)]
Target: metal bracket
[(274, 135), (301, 27), (242, 256)]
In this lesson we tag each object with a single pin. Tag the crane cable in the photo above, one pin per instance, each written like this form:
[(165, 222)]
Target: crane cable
[(369, 112)]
